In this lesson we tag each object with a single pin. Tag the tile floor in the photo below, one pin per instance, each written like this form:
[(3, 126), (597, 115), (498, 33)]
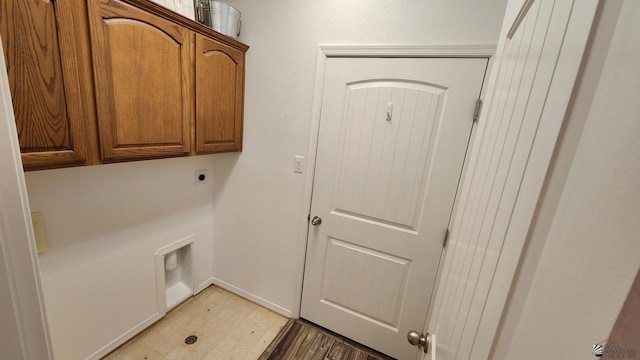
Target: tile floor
[(227, 327)]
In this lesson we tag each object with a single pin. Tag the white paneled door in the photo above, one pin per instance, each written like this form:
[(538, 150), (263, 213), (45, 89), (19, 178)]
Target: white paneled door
[(392, 141)]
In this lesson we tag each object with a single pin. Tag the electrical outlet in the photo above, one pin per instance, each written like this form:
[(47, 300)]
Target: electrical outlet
[(201, 176)]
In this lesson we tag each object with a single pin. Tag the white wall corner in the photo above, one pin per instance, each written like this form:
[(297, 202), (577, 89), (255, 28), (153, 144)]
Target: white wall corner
[(255, 298)]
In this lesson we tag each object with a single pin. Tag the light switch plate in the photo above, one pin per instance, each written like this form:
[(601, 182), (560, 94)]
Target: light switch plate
[(298, 164)]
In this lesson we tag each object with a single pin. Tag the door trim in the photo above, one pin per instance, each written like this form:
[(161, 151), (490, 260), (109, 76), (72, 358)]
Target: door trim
[(23, 304), (325, 52), (449, 51)]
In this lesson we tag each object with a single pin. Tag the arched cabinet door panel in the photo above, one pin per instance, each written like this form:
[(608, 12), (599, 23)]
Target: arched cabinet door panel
[(219, 96), (142, 71)]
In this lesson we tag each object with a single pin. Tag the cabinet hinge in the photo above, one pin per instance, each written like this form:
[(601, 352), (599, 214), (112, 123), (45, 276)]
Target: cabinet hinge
[(446, 238), (476, 112)]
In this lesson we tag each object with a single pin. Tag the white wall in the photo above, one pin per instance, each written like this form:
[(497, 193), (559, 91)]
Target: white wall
[(582, 255), (258, 248), (184, 7), (104, 224)]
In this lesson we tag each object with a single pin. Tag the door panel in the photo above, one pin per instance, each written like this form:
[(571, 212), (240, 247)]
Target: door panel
[(42, 66), (382, 164), (142, 77), (392, 139), (380, 279), (132, 113), (219, 97), (533, 75)]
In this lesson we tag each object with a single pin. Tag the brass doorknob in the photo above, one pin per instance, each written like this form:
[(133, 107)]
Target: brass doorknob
[(316, 221)]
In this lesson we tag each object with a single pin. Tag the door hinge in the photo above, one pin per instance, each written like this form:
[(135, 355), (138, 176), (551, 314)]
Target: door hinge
[(476, 112), (446, 238)]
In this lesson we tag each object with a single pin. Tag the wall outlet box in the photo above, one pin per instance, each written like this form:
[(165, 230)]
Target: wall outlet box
[(201, 176)]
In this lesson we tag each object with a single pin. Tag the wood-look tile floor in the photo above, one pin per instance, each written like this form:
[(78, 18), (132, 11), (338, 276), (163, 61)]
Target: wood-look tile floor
[(300, 339), (227, 327)]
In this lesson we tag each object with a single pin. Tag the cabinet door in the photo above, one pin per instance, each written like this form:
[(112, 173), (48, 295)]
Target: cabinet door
[(219, 96), (142, 70), (39, 50)]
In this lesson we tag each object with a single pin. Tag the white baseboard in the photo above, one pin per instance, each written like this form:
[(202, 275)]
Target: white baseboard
[(204, 285), (125, 337), (256, 299)]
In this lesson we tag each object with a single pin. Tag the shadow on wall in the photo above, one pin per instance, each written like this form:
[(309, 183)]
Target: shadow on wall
[(624, 341), (223, 168)]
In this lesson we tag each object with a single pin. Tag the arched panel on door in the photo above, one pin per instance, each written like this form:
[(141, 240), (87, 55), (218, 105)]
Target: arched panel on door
[(219, 97), (142, 78)]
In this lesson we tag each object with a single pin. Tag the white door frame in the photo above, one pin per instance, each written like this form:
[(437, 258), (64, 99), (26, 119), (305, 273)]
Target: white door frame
[(485, 51), (24, 322)]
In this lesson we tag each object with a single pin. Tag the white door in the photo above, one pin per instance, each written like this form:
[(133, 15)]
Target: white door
[(540, 52), (392, 140)]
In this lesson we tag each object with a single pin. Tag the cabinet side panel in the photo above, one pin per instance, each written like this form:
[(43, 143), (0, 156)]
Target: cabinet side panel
[(32, 52)]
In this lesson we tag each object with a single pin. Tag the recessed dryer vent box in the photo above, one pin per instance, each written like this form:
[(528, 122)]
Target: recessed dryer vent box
[(175, 273)]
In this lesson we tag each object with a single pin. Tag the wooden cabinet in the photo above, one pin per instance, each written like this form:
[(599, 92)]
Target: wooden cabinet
[(142, 70), (118, 80), (219, 96), (43, 77)]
